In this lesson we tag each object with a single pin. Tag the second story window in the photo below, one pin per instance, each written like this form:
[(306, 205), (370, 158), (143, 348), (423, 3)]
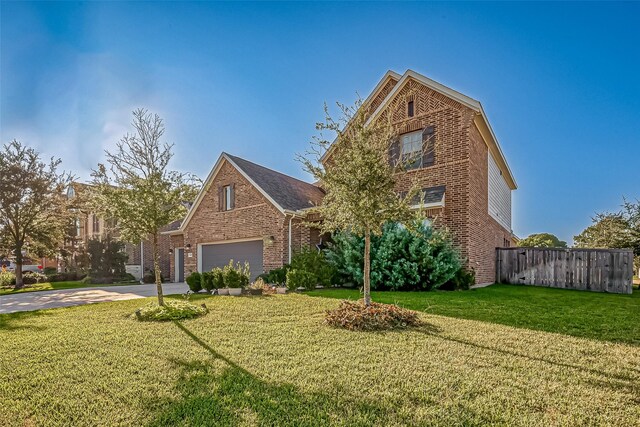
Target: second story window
[(410, 109), (227, 197), (96, 224), (411, 149)]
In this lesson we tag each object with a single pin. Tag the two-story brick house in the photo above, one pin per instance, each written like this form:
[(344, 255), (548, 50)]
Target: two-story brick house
[(248, 212), (88, 225)]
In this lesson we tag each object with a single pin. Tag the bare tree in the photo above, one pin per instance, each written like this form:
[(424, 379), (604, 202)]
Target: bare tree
[(33, 206), (138, 190)]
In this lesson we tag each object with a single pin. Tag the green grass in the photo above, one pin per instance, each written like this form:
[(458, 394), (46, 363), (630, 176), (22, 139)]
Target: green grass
[(609, 317), (55, 286), (271, 361)]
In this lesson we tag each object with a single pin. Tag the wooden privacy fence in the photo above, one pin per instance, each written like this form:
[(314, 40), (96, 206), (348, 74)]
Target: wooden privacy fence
[(599, 270)]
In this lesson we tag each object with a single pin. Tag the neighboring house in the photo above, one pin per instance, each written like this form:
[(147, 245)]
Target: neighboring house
[(88, 225), (244, 212), (247, 212)]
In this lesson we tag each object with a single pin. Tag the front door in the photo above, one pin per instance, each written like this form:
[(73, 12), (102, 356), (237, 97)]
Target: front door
[(180, 265)]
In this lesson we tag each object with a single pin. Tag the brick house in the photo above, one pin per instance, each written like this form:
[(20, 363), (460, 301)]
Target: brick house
[(248, 212), (88, 225), (244, 212)]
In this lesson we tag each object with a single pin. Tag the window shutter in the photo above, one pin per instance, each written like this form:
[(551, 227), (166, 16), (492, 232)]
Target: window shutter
[(233, 196), (220, 198), (428, 146), (394, 152)]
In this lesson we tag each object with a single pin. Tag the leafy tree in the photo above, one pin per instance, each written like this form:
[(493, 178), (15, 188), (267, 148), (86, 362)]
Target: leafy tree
[(358, 177), (107, 258), (138, 190), (609, 230), (542, 240), (614, 230), (33, 206)]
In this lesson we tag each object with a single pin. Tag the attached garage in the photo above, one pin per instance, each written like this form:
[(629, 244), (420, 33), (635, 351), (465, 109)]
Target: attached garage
[(219, 254)]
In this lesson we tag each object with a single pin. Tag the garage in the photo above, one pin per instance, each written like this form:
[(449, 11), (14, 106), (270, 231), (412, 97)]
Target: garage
[(219, 254)]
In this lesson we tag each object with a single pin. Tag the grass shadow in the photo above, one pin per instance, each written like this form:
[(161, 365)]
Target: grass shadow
[(209, 395), (17, 320), (621, 380)]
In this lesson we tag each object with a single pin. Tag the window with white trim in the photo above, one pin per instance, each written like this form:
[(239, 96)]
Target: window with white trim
[(226, 191)]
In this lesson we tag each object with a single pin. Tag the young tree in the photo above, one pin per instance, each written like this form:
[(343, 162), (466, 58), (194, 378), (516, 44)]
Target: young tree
[(33, 207), (138, 190), (358, 177), (542, 240)]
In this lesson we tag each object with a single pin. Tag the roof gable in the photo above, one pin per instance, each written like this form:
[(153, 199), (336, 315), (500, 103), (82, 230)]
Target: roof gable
[(481, 121), (285, 193)]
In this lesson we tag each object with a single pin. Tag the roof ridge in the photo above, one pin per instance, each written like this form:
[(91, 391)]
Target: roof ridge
[(267, 168)]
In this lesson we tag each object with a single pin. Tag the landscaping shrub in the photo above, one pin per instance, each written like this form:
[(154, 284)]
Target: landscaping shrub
[(422, 258), (68, 276), (207, 281), (49, 270), (301, 279), (315, 262), (32, 277), (172, 310), (277, 276), (7, 279), (355, 316), (194, 280), (463, 280), (150, 277), (98, 280), (218, 278), (236, 276)]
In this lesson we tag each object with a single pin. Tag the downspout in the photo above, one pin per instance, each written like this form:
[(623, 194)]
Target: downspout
[(299, 214), (141, 260), (290, 219)]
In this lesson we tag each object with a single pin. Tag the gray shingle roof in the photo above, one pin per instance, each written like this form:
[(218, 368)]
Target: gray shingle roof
[(290, 193)]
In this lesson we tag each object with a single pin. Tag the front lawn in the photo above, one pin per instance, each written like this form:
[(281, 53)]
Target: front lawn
[(54, 286), (610, 317), (270, 361)]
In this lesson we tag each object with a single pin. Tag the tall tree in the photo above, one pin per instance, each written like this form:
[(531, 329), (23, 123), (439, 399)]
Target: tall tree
[(609, 230), (542, 240), (357, 174), (138, 189), (33, 206)]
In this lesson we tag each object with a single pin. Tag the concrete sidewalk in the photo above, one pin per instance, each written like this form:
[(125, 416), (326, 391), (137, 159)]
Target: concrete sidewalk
[(29, 301)]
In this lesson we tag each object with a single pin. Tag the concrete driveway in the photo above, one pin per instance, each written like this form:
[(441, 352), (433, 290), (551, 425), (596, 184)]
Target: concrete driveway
[(29, 301)]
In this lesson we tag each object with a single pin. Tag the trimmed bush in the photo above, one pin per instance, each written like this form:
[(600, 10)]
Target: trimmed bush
[(194, 280), (7, 279), (172, 310), (314, 261), (355, 316), (150, 277), (422, 258), (463, 280), (301, 279), (236, 276), (70, 276), (277, 276), (49, 270), (32, 277)]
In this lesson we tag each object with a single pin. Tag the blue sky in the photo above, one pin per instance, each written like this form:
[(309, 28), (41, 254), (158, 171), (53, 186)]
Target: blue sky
[(559, 82)]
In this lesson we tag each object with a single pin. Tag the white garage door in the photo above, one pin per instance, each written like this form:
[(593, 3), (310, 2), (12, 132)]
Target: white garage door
[(218, 255)]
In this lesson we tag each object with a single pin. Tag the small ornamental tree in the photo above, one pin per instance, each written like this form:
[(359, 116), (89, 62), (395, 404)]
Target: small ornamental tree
[(356, 170), (34, 210), (138, 190)]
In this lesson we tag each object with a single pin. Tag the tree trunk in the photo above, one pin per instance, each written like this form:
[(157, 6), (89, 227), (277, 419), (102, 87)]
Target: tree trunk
[(18, 253), (367, 267), (156, 269)]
